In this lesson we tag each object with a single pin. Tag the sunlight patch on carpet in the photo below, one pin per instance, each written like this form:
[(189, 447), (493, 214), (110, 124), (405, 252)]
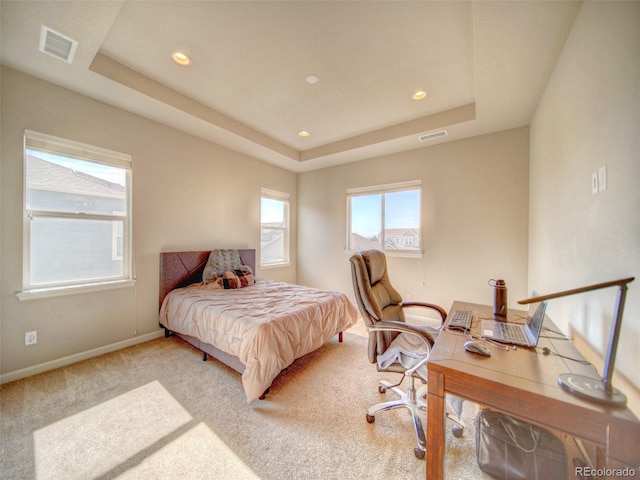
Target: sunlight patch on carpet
[(199, 453), (99, 439)]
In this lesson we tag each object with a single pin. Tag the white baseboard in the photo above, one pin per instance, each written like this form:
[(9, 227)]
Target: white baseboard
[(77, 357)]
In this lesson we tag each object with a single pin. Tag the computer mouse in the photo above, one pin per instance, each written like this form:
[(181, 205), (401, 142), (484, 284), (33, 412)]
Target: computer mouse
[(476, 347)]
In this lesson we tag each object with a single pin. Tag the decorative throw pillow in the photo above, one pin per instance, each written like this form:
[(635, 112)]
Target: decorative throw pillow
[(219, 261), (238, 278)]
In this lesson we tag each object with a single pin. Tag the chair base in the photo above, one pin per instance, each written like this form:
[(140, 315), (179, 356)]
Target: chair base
[(411, 402), (414, 401)]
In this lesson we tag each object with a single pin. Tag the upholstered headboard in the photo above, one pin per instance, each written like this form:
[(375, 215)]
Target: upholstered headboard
[(179, 269)]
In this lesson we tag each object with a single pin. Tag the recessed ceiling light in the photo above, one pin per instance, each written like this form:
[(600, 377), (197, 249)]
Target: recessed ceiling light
[(303, 133), (312, 79), (419, 95), (181, 58)]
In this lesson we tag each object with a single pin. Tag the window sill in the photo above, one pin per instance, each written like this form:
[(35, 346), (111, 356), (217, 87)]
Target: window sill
[(37, 293), (275, 265), (388, 253)]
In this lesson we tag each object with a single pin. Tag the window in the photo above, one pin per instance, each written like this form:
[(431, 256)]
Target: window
[(77, 207), (274, 228), (385, 217)]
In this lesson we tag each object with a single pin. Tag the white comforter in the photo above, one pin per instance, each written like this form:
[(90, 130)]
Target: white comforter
[(266, 325)]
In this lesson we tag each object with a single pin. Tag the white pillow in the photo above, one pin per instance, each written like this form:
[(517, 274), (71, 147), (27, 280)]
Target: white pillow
[(219, 261)]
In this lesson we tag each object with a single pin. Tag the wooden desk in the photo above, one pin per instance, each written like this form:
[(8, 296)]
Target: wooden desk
[(523, 383)]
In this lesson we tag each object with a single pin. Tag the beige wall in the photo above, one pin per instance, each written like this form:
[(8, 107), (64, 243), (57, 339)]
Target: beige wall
[(187, 194), (589, 117), (474, 219), (485, 209)]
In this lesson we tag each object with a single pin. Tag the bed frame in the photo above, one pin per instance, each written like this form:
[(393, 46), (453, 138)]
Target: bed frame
[(179, 269)]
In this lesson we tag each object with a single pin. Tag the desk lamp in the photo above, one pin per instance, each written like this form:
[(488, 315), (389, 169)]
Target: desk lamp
[(602, 390)]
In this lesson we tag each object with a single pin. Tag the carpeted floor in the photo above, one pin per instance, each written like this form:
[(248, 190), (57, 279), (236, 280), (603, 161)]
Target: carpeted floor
[(156, 410)]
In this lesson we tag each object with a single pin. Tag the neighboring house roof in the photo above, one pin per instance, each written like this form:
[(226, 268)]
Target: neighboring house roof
[(362, 243), (52, 176), (401, 232), (358, 242)]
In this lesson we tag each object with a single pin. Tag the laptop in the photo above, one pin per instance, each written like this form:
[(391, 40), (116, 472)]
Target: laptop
[(526, 335)]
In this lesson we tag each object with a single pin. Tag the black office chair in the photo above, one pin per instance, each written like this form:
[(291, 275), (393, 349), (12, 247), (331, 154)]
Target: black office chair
[(403, 347)]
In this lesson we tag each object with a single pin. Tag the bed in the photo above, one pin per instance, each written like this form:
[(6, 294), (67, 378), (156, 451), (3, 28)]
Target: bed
[(258, 329)]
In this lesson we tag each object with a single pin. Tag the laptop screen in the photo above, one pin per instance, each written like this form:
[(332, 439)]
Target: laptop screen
[(535, 316)]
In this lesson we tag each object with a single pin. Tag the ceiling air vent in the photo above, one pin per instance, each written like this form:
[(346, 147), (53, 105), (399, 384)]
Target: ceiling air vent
[(432, 135), (57, 45)]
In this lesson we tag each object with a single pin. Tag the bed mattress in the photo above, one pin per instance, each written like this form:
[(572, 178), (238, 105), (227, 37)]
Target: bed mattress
[(266, 325)]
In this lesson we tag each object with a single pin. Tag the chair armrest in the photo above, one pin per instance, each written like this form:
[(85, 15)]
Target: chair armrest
[(395, 326), (439, 309)]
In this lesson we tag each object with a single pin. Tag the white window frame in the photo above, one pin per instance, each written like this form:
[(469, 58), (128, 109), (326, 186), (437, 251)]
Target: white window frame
[(286, 230), (69, 148), (115, 254), (383, 190)]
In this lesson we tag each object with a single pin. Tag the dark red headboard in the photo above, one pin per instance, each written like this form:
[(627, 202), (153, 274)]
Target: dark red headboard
[(179, 269)]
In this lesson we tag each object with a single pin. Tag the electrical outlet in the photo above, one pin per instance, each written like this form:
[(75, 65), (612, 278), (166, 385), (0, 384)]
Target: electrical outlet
[(30, 338)]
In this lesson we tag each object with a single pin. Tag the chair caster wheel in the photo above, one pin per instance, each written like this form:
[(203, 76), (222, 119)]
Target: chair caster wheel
[(457, 431), (370, 418), (382, 389), (419, 453)]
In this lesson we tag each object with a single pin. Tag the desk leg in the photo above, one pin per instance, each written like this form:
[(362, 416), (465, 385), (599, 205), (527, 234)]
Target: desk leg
[(435, 426)]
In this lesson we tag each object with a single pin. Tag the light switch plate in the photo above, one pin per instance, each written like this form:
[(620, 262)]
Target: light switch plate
[(602, 178)]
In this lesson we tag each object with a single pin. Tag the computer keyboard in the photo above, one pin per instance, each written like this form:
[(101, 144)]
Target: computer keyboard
[(461, 320), (509, 332)]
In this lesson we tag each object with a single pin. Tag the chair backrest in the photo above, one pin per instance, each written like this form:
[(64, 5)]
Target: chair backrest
[(375, 296)]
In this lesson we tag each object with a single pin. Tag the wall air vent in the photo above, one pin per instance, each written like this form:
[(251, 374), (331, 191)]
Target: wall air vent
[(432, 135), (57, 45)]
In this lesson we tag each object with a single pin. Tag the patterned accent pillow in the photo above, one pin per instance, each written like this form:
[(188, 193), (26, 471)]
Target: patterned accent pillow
[(241, 277), (219, 261)]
